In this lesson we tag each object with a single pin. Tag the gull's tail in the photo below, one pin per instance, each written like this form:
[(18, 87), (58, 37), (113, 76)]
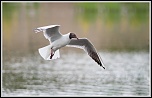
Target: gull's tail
[(45, 52)]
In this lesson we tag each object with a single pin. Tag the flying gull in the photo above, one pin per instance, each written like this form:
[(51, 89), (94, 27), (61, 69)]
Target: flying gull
[(57, 41)]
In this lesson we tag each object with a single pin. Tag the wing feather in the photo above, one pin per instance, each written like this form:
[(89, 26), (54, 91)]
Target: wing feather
[(50, 32), (87, 46)]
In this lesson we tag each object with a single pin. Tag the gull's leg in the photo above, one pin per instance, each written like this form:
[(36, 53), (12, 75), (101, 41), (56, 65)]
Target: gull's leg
[(52, 53)]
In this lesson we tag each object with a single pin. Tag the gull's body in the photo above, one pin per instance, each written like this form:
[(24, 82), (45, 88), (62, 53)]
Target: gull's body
[(57, 41)]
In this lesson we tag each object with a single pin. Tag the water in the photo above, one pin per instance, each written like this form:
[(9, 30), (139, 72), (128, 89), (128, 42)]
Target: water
[(76, 74)]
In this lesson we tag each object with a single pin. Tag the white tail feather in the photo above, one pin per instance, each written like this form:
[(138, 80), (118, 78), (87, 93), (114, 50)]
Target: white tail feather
[(45, 52)]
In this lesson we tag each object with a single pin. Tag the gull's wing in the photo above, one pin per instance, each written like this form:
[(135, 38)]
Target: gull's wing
[(50, 32), (85, 44)]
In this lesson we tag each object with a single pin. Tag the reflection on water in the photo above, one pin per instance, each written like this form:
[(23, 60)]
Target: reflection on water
[(126, 74), (114, 26)]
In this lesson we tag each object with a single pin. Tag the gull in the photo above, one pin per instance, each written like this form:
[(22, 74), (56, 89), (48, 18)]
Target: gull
[(58, 40)]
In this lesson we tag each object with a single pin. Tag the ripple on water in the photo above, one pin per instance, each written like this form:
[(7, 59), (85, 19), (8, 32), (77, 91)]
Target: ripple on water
[(126, 74)]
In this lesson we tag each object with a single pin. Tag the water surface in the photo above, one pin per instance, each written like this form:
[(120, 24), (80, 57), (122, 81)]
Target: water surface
[(76, 74)]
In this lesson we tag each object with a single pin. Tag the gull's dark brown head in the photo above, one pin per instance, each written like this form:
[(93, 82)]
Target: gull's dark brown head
[(73, 36)]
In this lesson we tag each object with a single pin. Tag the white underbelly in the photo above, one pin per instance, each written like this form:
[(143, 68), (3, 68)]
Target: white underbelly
[(60, 43)]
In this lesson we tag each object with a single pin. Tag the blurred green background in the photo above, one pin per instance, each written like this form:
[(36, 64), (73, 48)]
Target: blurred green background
[(112, 26)]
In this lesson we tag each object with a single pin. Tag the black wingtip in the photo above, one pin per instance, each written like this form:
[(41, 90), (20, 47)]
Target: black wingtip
[(102, 66)]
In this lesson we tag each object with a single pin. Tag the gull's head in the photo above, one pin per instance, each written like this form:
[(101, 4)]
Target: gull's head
[(73, 36)]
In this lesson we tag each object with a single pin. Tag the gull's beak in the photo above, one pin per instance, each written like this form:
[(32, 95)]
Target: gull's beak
[(76, 38)]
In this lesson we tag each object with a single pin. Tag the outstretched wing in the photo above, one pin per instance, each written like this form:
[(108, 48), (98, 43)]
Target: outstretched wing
[(85, 44), (50, 32)]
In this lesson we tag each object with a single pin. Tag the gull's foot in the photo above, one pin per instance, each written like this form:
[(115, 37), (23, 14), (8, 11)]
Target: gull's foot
[(51, 56), (52, 53)]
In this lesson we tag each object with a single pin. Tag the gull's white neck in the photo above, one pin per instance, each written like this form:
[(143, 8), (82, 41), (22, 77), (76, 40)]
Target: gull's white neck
[(67, 35)]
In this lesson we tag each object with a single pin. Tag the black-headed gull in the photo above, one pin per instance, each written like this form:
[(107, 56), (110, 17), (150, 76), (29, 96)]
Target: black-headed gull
[(57, 41)]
